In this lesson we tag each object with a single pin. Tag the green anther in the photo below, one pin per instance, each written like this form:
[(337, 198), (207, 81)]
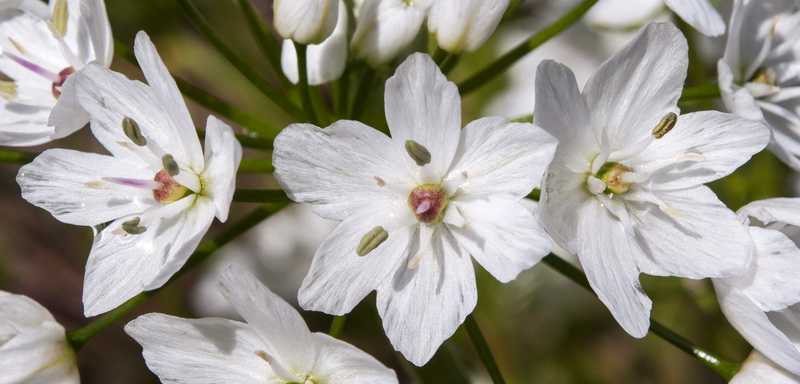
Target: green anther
[(371, 240), (170, 165), (8, 89), (418, 152), (132, 227), (61, 16), (131, 129), (665, 125), (764, 75)]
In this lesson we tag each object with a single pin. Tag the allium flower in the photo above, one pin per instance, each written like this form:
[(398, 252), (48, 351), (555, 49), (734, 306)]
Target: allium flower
[(273, 346), (305, 21), (325, 62), (462, 26), (152, 200), (764, 303), (385, 27), (40, 47), (757, 369), (700, 14), (625, 190), (33, 346), (759, 75), (415, 206)]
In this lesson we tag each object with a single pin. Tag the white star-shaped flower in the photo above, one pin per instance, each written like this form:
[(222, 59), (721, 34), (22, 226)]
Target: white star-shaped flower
[(700, 14), (154, 197), (625, 190), (33, 346), (415, 206), (40, 47), (764, 303), (759, 75), (273, 346)]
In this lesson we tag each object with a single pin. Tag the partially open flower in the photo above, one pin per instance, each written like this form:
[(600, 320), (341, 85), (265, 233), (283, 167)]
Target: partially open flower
[(462, 26), (305, 21)]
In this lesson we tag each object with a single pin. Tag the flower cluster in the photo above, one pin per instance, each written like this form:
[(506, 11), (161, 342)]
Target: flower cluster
[(618, 169)]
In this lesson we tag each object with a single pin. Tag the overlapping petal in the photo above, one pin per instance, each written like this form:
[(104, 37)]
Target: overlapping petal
[(700, 14), (223, 153)]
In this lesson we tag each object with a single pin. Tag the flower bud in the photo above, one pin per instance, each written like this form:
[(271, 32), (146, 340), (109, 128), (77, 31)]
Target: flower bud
[(462, 26), (305, 21), (384, 28)]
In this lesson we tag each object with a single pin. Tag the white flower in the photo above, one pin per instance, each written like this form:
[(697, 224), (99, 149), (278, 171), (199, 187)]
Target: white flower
[(325, 62), (462, 26), (700, 14), (757, 369), (624, 192), (157, 194), (305, 21), (40, 48), (273, 346), (415, 206), (762, 304), (33, 346), (759, 75), (385, 27)]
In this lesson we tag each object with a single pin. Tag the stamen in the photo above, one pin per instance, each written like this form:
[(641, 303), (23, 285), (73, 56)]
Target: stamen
[(136, 183), (31, 66), (380, 181), (371, 240), (96, 185), (595, 185), (132, 227), (170, 165), (279, 370), (694, 157), (418, 152), (665, 125), (131, 129), (60, 16), (8, 90)]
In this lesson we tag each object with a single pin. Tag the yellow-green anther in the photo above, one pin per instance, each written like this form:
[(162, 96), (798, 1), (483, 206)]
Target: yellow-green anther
[(8, 89), (132, 227), (131, 129), (665, 125), (764, 75), (170, 165), (418, 152), (371, 240), (61, 16)]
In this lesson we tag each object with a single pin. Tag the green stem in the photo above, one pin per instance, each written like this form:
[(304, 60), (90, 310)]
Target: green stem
[(706, 91), (439, 56), (14, 157), (302, 71), (216, 105), (270, 48), (362, 93), (260, 196), (505, 61), (256, 166), (264, 86), (337, 326), (723, 368), (78, 338), (483, 350)]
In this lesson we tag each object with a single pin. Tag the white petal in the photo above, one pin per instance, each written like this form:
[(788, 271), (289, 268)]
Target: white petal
[(201, 351), (502, 235), (738, 100), (280, 326), (337, 169), (691, 235), (384, 28), (423, 307), (723, 142), (23, 125), (339, 278), (94, 15), (634, 89), (121, 266), (67, 116), (771, 280), (305, 21), (757, 369), (785, 210), (341, 363), (421, 105), (69, 185), (608, 256), (223, 154), (700, 14), (325, 61), (502, 158), (563, 194), (462, 26)]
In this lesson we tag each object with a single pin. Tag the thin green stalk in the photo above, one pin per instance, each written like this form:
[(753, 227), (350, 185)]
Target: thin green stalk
[(337, 326), (216, 105), (269, 47), (483, 350), (362, 93), (302, 71), (256, 166), (439, 56), (505, 61), (14, 157), (706, 91), (264, 86), (723, 368), (449, 63), (245, 140), (260, 196), (78, 338)]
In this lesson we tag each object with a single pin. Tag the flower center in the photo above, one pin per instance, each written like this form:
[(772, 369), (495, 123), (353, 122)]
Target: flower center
[(62, 77), (170, 190), (611, 174), (428, 202)]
